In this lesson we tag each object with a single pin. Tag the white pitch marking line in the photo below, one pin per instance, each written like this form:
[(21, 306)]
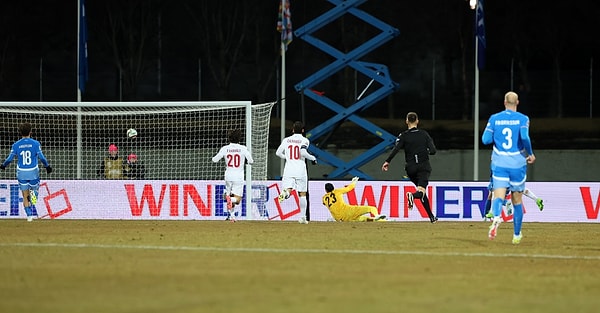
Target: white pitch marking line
[(333, 251)]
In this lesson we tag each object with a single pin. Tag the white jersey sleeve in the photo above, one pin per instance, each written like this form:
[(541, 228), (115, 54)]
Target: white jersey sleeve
[(280, 152), (219, 155), (248, 156), (306, 154)]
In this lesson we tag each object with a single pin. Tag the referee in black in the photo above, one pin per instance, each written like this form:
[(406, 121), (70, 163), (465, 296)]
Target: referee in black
[(417, 145)]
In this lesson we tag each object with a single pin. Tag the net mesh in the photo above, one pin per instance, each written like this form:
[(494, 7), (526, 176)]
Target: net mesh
[(174, 141)]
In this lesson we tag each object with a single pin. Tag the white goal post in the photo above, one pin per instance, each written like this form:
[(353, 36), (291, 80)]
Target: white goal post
[(175, 141)]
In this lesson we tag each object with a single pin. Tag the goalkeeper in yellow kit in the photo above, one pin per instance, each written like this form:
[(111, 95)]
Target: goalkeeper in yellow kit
[(342, 212)]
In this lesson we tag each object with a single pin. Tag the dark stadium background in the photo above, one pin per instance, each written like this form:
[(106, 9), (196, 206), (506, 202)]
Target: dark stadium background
[(155, 50)]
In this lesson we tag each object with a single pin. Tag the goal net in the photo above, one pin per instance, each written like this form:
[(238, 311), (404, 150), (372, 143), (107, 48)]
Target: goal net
[(175, 140)]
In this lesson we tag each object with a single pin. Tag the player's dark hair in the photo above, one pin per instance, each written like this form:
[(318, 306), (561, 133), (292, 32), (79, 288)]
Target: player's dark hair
[(235, 136), (25, 129), (412, 117), (329, 187), (298, 127)]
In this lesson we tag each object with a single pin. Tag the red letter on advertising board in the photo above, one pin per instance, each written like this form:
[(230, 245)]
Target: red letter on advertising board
[(174, 200), (419, 204), (394, 201), (590, 210), (190, 192), (148, 196), (368, 198)]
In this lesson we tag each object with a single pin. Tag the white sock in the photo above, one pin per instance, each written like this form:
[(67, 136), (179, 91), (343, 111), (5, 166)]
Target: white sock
[(303, 205), (235, 205), (529, 194)]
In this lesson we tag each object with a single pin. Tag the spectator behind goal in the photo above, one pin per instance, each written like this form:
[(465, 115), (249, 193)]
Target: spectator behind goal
[(112, 166), (134, 169)]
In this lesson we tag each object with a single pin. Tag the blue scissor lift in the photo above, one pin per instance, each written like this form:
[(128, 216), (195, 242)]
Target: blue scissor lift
[(377, 72)]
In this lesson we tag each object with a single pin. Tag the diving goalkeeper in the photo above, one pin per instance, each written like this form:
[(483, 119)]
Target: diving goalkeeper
[(342, 212)]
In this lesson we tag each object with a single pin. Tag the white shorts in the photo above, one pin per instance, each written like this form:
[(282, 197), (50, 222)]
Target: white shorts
[(300, 184), (235, 187)]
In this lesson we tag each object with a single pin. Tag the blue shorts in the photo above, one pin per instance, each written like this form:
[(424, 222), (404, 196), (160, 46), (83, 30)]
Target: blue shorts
[(33, 184), (491, 185), (510, 178), (29, 179)]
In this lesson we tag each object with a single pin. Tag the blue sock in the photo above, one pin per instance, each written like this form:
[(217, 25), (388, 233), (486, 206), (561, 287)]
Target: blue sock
[(497, 206), (517, 218), (28, 211)]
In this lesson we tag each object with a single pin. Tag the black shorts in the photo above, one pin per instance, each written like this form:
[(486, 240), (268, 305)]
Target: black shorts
[(419, 173)]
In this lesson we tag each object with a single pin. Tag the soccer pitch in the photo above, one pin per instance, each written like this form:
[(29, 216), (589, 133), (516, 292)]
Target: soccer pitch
[(259, 266)]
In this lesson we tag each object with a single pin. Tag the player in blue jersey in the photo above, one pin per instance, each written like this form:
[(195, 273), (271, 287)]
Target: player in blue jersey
[(508, 131), (28, 151)]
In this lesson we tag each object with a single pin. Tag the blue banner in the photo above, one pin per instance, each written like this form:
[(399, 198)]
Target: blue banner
[(480, 28)]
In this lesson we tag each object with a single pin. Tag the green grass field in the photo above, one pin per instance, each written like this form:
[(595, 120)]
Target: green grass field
[(217, 266)]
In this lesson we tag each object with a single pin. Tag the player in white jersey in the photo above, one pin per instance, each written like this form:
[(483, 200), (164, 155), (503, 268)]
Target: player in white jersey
[(27, 151), (294, 149), (236, 156), (508, 131)]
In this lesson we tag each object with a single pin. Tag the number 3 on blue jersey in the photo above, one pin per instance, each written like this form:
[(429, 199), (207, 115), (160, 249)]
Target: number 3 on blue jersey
[(507, 132)]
